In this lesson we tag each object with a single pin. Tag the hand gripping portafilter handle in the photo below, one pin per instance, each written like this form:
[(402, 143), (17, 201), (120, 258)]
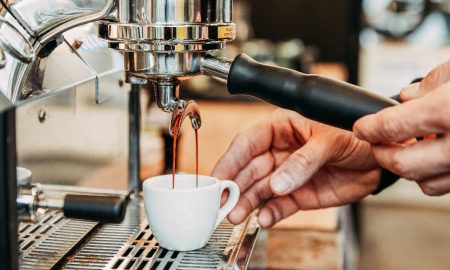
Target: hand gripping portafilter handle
[(318, 98), (110, 209)]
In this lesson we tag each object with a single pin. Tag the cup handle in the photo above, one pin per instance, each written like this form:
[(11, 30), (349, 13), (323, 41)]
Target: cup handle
[(231, 202)]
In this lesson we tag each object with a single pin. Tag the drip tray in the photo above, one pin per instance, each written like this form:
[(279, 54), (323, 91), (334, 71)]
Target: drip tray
[(61, 243)]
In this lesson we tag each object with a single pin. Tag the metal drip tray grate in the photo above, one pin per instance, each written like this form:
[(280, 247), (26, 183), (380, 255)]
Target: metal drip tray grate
[(44, 245), (62, 243), (131, 245)]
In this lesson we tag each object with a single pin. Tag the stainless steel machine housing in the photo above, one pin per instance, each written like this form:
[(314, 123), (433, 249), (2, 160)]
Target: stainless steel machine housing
[(64, 104)]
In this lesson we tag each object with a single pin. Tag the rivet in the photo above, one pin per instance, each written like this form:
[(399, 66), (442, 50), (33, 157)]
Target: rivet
[(42, 116), (77, 44)]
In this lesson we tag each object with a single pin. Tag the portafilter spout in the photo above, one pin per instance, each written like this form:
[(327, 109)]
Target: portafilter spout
[(186, 109), (166, 91)]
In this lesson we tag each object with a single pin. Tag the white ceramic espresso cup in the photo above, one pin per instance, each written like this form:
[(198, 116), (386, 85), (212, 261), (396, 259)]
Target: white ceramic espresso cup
[(184, 218)]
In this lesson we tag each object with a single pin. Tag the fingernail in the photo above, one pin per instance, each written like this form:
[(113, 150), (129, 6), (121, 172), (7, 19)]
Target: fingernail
[(411, 89), (282, 182)]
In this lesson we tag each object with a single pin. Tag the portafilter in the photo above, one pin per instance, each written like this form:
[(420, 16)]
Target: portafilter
[(167, 41)]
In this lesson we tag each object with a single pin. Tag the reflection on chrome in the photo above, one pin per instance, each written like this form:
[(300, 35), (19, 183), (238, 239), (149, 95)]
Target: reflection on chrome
[(186, 109)]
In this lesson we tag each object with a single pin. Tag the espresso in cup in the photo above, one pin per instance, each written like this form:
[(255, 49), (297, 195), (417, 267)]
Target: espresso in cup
[(184, 218)]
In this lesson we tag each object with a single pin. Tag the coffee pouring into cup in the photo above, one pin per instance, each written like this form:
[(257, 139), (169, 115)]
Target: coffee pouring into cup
[(184, 218)]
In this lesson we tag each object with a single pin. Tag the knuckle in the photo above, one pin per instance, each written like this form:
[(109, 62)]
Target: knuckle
[(433, 77), (440, 118), (279, 114), (404, 170), (244, 143), (436, 77), (429, 189), (391, 128), (302, 160), (240, 137), (247, 205), (258, 196), (278, 111), (238, 141), (411, 175), (253, 171), (276, 211), (362, 129), (400, 167), (262, 165)]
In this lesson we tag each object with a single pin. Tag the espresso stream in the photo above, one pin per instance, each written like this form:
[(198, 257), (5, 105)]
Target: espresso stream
[(175, 137)]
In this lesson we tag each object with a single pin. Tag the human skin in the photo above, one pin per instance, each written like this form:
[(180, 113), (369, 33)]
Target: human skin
[(289, 163), (425, 113)]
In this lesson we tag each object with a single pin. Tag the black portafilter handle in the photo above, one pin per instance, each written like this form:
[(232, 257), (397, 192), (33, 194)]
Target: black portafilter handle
[(316, 97), (109, 209)]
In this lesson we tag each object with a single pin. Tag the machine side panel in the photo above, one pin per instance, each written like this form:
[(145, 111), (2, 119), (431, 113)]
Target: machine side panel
[(8, 187)]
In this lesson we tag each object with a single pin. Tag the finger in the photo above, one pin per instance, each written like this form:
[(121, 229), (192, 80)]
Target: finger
[(436, 186), (300, 167), (332, 187), (327, 189), (246, 146), (410, 92), (434, 79), (258, 194), (416, 118), (418, 161), (256, 170), (277, 209)]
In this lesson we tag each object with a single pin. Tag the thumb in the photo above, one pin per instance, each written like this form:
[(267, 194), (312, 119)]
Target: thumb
[(434, 79), (300, 167)]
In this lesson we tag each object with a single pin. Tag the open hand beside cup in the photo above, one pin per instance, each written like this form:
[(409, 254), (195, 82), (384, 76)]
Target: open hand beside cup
[(288, 163)]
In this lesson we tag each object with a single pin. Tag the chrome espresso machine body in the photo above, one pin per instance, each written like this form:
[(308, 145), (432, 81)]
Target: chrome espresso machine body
[(66, 113)]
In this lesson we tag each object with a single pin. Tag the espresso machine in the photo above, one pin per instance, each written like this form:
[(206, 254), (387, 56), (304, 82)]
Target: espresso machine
[(67, 112), (64, 104)]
